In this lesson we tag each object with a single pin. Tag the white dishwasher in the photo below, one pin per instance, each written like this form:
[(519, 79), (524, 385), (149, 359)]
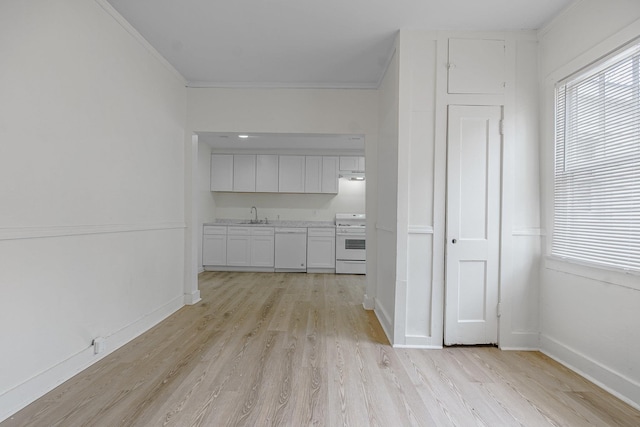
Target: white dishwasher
[(291, 249)]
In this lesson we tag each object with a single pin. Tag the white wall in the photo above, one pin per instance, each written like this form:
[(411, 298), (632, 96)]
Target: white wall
[(91, 182), (419, 304), (588, 316), (206, 202), (305, 111), (386, 226), (421, 187), (305, 207)]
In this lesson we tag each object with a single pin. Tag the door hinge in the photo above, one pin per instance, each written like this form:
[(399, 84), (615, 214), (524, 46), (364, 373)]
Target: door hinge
[(499, 309), (501, 127)]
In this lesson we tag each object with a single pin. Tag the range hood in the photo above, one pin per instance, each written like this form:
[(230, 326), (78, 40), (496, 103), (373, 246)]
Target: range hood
[(352, 176)]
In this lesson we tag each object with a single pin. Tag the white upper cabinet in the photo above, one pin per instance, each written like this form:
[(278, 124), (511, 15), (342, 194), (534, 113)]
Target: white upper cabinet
[(244, 172), (476, 66), (267, 173), (222, 172), (330, 166), (352, 163), (272, 173), (291, 174), (313, 174)]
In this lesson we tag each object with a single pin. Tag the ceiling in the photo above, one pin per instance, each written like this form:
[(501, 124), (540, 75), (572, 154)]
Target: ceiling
[(308, 43)]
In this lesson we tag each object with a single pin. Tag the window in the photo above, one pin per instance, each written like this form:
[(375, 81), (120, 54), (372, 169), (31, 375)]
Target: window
[(597, 165)]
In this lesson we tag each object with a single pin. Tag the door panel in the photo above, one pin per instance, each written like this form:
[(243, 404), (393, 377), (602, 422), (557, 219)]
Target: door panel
[(473, 225)]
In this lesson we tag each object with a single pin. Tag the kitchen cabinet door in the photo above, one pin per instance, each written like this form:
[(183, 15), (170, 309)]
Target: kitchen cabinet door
[(238, 250), (330, 166), (221, 172), (352, 163), (262, 251), (244, 172), (214, 249), (267, 173), (291, 174), (262, 246), (313, 174)]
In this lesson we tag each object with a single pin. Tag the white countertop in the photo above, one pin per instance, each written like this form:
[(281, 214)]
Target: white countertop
[(245, 223)]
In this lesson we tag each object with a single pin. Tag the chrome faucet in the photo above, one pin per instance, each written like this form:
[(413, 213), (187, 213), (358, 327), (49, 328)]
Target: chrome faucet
[(255, 220)]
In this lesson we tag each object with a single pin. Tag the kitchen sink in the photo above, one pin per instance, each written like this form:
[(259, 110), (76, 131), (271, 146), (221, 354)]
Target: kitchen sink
[(253, 221)]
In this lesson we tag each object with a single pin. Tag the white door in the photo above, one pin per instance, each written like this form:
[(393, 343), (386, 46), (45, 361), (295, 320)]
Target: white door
[(473, 225)]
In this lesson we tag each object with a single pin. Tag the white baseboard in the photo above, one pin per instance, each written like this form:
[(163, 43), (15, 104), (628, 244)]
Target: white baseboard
[(385, 321), (421, 341), (22, 395), (368, 303), (614, 382), (419, 346), (519, 348), (193, 298), (526, 341)]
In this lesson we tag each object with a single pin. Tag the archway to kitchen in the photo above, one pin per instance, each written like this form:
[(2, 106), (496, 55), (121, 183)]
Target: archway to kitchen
[(286, 177)]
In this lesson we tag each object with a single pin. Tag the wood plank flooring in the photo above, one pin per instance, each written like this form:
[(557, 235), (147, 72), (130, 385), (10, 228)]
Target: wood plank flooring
[(265, 349)]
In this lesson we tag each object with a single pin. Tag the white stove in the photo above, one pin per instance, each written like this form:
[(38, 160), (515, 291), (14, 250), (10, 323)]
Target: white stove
[(351, 253)]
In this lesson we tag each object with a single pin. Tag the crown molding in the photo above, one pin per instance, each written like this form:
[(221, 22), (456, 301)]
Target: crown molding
[(104, 4)]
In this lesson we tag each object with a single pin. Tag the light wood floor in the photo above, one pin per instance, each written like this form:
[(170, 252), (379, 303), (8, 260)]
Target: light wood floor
[(266, 349)]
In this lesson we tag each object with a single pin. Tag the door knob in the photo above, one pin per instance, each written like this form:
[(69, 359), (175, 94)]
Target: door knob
[(454, 241)]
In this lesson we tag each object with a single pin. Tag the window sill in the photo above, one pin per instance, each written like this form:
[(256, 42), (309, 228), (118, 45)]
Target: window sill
[(613, 276)]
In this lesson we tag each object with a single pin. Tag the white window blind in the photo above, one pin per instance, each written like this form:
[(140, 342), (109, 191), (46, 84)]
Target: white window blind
[(597, 165)]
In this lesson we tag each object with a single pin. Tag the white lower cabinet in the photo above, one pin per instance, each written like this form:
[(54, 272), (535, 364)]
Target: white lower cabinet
[(214, 246), (262, 247), (238, 247), (321, 250)]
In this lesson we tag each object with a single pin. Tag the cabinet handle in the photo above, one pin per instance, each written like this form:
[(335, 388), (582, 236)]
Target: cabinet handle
[(454, 241)]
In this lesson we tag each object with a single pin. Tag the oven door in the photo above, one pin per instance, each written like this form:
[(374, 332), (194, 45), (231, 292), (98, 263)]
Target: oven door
[(351, 247)]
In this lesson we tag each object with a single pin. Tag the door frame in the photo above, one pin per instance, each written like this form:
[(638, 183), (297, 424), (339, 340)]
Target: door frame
[(501, 222)]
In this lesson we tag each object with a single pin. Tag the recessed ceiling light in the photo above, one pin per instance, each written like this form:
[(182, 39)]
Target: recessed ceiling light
[(243, 136)]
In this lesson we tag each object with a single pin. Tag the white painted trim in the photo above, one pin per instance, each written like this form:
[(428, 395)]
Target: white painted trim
[(520, 340), (368, 303), (15, 233), (420, 229), (418, 346), (595, 53), (516, 348), (201, 269), (554, 21), (22, 395), (392, 52), (385, 321), (104, 4), (528, 232), (614, 382), (280, 85), (193, 298), (383, 228), (422, 341), (618, 277)]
